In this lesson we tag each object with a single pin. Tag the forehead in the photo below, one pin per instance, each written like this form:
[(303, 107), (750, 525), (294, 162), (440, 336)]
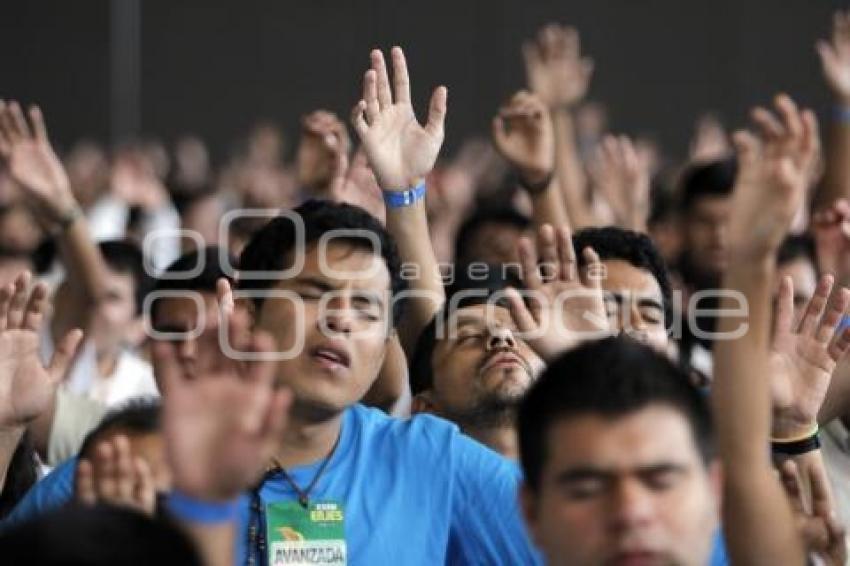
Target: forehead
[(655, 434), (621, 276), (480, 315), (119, 279), (182, 308), (343, 263), (711, 206)]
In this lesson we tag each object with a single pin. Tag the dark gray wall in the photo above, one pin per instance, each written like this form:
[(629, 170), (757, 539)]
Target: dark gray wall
[(217, 67)]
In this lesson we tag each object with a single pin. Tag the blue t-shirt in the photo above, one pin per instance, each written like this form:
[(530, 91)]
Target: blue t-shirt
[(414, 492)]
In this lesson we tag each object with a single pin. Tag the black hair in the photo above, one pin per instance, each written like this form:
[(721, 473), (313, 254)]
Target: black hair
[(77, 535), (635, 248), (662, 205), (797, 247), (714, 179), (21, 475), (421, 370), (483, 216), (125, 257), (612, 378), (270, 248), (137, 416), (205, 280)]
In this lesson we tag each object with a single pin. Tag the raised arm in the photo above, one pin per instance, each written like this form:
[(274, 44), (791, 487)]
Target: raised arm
[(622, 179), (402, 152), (560, 76), (757, 519), (835, 62), (522, 132), (35, 166)]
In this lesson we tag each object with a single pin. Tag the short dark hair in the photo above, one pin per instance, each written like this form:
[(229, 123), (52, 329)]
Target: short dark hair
[(96, 535), (125, 257), (270, 248), (634, 248), (612, 377), (713, 179), (797, 247), (138, 416), (205, 281), (483, 216), (421, 369)]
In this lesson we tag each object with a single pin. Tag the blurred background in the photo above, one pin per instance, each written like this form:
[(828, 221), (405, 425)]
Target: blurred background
[(111, 69)]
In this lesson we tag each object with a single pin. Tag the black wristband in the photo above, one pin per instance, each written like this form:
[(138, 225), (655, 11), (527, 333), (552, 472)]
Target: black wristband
[(535, 188), (797, 447)]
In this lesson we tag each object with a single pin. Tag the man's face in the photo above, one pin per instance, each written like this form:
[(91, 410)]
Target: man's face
[(114, 315), (805, 280), (705, 233), (628, 490), (634, 303), (481, 366), (182, 316), (343, 318)]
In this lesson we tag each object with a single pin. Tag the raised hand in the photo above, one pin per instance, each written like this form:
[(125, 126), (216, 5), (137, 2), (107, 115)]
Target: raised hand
[(554, 66), (772, 177), (32, 161), (562, 311), (400, 150), (819, 527), (831, 231), (26, 386), (802, 360), (222, 425), (622, 179), (835, 57), (114, 476), (322, 159), (523, 134)]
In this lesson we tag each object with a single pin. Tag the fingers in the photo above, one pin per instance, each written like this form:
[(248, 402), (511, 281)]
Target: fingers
[(528, 263), (382, 80), (768, 124), (437, 112), (38, 124), (593, 268), (816, 306), (124, 470), (19, 122), (144, 492), (784, 319), (167, 368), (791, 118), (791, 482), (224, 294), (834, 313), (566, 254), (35, 308), (747, 147), (401, 79), (84, 483), (15, 316), (370, 95), (6, 292), (64, 354), (358, 119), (105, 470), (547, 249)]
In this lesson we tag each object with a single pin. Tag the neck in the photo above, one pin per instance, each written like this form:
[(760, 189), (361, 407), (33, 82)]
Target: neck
[(106, 362), (308, 437), (502, 439)]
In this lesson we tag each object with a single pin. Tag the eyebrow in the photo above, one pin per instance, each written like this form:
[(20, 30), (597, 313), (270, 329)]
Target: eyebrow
[(650, 302), (327, 287), (583, 473)]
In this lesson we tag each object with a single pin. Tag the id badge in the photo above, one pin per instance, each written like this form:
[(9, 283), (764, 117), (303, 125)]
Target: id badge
[(305, 537)]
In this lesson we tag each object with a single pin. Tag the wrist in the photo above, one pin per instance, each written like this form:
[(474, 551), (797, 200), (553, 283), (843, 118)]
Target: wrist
[(535, 182), (791, 430), (805, 440), (405, 198)]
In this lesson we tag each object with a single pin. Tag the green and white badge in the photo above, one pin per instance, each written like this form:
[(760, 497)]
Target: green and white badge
[(305, 537)]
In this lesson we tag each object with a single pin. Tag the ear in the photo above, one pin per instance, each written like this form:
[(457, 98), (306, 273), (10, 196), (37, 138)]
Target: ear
[(424, 403), (528, 505)]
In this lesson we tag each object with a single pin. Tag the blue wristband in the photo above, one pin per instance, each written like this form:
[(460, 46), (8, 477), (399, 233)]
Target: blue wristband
[(845, 323), (405, 198), (187, 508), (841, 114)]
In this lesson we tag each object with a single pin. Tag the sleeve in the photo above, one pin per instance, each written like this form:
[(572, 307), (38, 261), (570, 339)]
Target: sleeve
[(54, 490), (487, 525), (75, 417)]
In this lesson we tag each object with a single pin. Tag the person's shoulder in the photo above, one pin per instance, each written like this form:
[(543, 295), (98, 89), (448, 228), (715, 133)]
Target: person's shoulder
[(52, 491), (380, 422)]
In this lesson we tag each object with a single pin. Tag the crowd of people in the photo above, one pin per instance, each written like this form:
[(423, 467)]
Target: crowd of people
[(557, 347)]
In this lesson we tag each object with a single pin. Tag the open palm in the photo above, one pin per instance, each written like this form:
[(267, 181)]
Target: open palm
[(400, 150)]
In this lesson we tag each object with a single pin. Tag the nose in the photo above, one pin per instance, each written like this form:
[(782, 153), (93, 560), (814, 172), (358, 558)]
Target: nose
[(501, 337), (631, 505), (337, 317)]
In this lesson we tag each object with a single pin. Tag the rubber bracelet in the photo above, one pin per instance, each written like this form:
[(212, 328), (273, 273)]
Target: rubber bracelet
[(797, 447), (396, 199), (186, 508), (841, 114), (535, 188), (845, 323), (812, 432)]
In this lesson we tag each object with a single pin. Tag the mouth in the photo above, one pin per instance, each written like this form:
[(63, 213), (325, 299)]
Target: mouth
[(502, 360), (331, 356)]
